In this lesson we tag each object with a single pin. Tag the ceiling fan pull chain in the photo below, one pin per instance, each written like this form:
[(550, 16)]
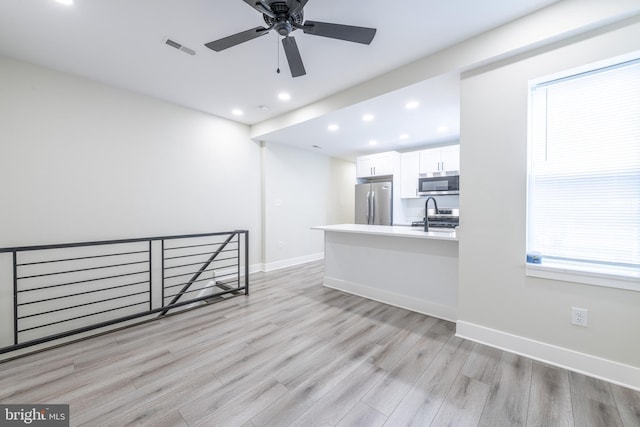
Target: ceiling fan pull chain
[(278, 50)]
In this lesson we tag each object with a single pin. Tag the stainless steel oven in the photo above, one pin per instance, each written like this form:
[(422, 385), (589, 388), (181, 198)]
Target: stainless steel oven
[(439, 185)]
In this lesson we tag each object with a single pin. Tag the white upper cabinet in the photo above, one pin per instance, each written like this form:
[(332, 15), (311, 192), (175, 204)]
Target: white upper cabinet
[(440, 160), (451, 158), (430, 160), (409, 173), (375, 164)]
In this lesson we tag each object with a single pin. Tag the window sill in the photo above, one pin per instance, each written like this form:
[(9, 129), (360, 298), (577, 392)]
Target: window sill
[(620, 278)]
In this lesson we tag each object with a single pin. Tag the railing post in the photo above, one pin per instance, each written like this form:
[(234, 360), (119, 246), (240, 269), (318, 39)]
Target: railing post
[(246, 262), (162, 272), (150, 276), (239, 259), (15, 298)]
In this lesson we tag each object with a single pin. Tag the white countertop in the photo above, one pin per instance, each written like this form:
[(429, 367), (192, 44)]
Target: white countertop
[(389, 230)]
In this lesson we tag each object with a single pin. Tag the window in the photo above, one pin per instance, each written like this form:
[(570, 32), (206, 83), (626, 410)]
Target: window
[(584, 175)]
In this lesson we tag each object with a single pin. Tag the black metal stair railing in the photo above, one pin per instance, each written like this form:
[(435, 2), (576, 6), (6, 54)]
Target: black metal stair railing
[(62, 290)]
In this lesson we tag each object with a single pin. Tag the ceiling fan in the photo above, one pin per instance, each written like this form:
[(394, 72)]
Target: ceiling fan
[(286, 16)]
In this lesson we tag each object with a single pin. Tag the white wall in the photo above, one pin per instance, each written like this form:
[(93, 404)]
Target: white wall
[(80, 161), (302, 189), (498, 304)]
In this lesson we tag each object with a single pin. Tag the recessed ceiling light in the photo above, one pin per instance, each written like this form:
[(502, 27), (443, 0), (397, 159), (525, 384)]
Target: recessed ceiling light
[(237, 112), (283, 96), (373, 142), (367, 117), (442, 129), (65, 2), (411, 105), (404, 136), (333, 127)]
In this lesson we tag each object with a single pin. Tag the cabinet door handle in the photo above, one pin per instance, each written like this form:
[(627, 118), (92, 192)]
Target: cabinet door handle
[(373, 207)]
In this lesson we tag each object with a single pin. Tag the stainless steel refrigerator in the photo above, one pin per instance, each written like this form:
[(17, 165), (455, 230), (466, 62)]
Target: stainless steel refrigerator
[(374, 203)]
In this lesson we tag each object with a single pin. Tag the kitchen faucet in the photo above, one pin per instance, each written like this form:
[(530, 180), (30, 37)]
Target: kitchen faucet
[(426, 212)]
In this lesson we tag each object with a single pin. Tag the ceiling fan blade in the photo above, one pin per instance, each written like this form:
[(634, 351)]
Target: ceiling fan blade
[(260, 6), (235, 39), (293, 57), (349, 33), (297, 5)]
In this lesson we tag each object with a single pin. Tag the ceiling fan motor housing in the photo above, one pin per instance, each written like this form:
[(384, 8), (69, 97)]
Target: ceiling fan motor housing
[(283, 22)]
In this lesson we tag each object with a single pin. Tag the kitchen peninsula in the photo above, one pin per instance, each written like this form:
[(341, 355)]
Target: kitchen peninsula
[(402, 266)]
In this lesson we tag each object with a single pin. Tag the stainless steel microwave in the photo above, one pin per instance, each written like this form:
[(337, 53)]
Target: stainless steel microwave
[(439, 185)]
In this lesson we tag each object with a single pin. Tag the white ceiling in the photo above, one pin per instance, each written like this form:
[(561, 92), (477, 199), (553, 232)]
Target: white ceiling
[(394, 126), (121, 43)]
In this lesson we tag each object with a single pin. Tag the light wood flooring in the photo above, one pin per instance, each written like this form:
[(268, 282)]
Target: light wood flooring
[(294, 353)]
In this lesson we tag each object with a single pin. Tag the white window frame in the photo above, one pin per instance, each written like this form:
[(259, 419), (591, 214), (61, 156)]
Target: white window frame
[(570, 271)]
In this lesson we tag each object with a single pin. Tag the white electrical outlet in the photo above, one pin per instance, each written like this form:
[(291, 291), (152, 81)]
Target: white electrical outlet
[(579, 316)]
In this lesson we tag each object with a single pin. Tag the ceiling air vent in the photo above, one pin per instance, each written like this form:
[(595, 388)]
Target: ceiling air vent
[(180, 47)]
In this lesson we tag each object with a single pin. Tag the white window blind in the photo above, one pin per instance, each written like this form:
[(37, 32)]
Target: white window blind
[(584, 181)]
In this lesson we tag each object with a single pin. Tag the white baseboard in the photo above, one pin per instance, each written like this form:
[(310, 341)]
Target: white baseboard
[(420, 306), (614, 372), (276, 265), (256, 268)]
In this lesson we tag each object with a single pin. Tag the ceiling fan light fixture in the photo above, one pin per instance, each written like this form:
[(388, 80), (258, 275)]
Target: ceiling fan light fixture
[(283, 27)]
